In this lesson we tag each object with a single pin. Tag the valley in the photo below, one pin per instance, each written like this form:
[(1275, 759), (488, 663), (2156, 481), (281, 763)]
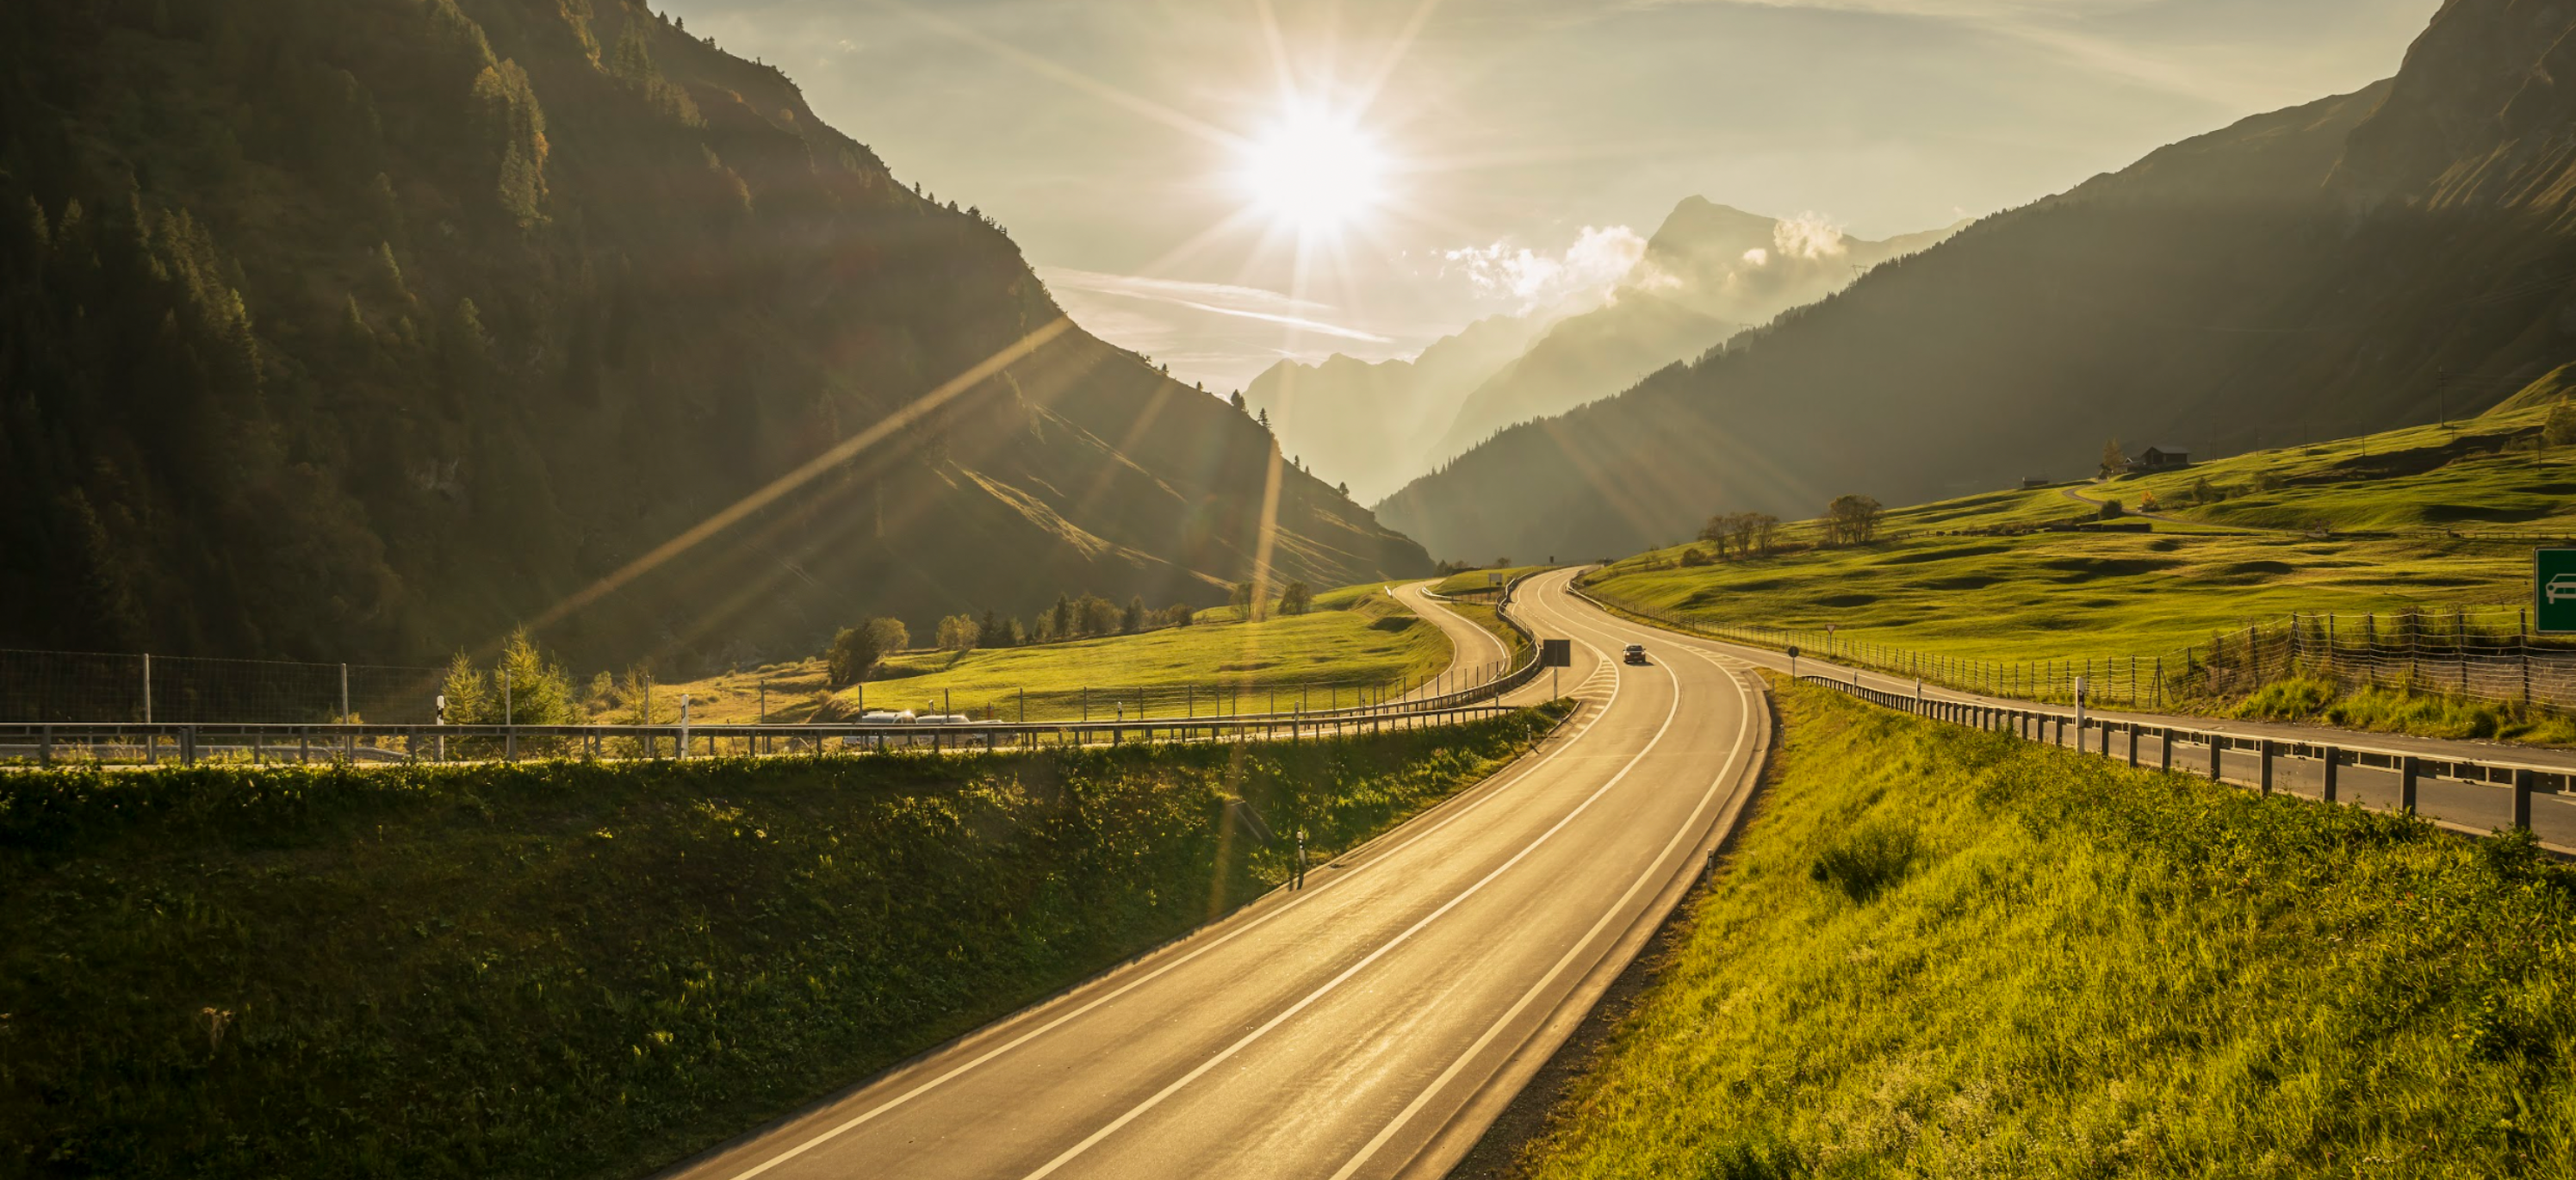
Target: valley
[(727, 588)]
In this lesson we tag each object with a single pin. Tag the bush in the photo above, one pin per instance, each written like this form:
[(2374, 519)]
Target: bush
[(856, 651), (1868, 859), (523, 688)]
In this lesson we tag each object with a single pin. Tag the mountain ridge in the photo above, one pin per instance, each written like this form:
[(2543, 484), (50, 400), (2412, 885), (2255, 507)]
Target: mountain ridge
[(2361, 262), (377, 327), (1707, 272)]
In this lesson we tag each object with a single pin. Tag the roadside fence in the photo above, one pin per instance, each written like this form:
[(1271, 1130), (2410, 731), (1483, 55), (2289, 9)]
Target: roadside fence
[(2474, 795), (65, 686), (45, 746), (124, 735), (2488, 654)]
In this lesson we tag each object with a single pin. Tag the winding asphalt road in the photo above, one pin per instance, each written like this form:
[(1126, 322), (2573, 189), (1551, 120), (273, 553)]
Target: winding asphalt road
[(1476, 654), (1372, 1024)]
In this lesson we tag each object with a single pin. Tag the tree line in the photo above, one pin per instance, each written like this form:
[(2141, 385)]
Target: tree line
[(856, 651), (1848, 520)]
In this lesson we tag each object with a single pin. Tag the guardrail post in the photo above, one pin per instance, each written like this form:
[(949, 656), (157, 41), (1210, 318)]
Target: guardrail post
[(2217, 758), (2263, 753), (2333, 760), (2132, 727), (2406, 775), (2164, 749), (2522, 800), (44, 745)]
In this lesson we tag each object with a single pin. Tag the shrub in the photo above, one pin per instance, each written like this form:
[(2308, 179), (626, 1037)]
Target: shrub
[(1868, 859)]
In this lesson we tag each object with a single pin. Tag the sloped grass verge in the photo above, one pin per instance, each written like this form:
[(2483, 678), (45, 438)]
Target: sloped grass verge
[(1945, 953), (570, 970), (2391, 710)]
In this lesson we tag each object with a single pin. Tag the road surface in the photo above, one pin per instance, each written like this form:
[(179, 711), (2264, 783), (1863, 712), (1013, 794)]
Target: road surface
[(1371, 1025), (1477, 654)]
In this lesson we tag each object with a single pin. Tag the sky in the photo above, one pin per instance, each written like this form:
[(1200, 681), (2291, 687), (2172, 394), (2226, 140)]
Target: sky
[(1223, 183)]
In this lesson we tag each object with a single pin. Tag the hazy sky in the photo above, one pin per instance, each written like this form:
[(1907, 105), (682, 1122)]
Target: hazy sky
[(1113, 138)]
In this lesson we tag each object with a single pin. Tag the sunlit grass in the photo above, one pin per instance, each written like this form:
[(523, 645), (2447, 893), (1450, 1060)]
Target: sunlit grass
[(1484, 580), (1358, 642), (1944, 953), (2063, 595), (576, 970)]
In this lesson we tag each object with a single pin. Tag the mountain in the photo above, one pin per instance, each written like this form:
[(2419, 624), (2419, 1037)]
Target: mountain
[(2361, 262), (1708, 271), (365, 329), (1369, 422)]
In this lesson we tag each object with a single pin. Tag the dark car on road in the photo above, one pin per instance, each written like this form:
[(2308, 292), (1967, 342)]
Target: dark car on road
[(1636, 653)]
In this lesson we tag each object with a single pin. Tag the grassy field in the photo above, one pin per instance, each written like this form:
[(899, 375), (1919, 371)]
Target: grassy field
[(2409, 497), (1357, 642), (590, 970), (1474, 580), (1944, 953)]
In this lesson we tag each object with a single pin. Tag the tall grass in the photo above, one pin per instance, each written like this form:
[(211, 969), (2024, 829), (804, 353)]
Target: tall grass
[(2391, 710), (2075, 969), (574, 970)]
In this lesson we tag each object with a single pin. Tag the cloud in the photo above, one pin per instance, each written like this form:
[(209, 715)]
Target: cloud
[(1587, 269), (1224, 299), (1809, 236)]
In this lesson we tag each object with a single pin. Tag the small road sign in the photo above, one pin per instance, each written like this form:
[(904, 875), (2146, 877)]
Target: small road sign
[(2553, 591)]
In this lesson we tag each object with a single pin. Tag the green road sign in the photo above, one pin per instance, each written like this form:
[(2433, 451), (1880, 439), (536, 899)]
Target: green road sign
[(2553, 590)]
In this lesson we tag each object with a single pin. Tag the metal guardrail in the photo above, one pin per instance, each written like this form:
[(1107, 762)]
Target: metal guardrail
[(2271, 759), (189, 743)]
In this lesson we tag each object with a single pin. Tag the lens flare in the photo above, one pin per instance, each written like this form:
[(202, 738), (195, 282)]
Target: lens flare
[(1315, 171)]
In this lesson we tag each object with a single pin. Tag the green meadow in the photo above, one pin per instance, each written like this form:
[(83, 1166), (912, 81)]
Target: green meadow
[(571, 969), (1486, 579), (1357, 643), (1943, 953), (2430, 517)]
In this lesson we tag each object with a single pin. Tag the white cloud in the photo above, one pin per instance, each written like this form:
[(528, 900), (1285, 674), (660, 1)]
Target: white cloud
[(1224, 299), (1585, 270), (1809, 236)]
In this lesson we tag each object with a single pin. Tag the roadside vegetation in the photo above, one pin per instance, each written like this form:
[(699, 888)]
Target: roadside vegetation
[(1350, 644), (1938, 952), (592, 970), (1491, 579), (2428, 519)]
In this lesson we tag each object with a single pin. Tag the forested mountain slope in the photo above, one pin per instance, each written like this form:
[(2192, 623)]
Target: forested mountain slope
[(365, 328), (2357, 263)]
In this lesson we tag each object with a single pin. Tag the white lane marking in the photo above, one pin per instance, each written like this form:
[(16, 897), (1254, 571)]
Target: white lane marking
[(1071, 1153), (1617, 908), (862, 1118)]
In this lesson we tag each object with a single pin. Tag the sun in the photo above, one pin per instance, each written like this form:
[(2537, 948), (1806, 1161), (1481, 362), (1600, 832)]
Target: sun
[(1315, 171)]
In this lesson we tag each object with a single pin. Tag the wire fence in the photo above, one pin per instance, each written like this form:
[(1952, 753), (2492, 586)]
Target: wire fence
[(1185, 701), (2486, 654), (60, 686), (109, 688)]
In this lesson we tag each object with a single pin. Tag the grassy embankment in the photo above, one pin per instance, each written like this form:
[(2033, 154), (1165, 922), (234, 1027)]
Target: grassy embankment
[(571, 970), (2041, 596), (1356, 640), (1945, 953), (1484, 581)]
